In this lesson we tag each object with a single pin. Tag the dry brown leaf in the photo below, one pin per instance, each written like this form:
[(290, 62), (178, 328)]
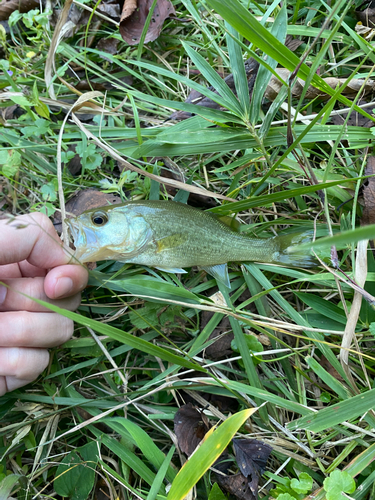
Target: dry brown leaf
[(110, 8), (251, 457), (108, 45), (351, 90), (131, 26), (366, 14), (368, 216), (9, 6), (190, 427), (236, 485), (128, 9)]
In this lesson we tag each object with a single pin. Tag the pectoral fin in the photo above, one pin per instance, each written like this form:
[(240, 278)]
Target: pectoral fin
[(219, 272), (175, 270)]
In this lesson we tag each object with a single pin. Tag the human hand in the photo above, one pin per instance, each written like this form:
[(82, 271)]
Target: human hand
[(32, 261)]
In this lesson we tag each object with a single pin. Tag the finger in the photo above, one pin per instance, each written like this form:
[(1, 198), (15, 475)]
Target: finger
[(30, 271), (19, 366), (33, 238), (12, 298), (63, 281), (10, 271), (31, 329)]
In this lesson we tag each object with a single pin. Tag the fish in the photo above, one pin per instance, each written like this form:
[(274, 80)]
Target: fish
[(172, 236)]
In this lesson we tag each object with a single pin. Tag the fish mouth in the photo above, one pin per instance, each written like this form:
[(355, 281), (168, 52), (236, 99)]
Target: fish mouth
[(85, 241)]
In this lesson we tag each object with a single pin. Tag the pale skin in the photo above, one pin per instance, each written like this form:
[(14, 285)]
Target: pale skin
[(33, 261)]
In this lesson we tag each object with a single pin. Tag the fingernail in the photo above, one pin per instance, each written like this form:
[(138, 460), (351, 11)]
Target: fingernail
[(63, 287), (3, 294)]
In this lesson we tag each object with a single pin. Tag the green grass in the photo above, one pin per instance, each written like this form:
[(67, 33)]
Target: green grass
[(103, 412)]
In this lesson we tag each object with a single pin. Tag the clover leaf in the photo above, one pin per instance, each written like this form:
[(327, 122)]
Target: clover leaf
[(337, 483), (303, 484)]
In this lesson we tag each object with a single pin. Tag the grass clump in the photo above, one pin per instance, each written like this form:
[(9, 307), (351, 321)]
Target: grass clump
[(148, 342)]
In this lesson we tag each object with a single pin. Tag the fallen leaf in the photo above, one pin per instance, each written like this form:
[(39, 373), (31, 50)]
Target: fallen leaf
[(110, 8), (251, 456), (366, 13), (355, 119), (330, 369), (368, 216), (293, 43), (236, 485), (128, 9), (195, 199), (108, 45), (190, 427), (9, 6), (221, 348), (131, 26), (86, 200)]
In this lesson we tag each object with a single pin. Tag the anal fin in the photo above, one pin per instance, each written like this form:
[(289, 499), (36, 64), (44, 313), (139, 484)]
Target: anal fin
[(176, 270), (219, 272)]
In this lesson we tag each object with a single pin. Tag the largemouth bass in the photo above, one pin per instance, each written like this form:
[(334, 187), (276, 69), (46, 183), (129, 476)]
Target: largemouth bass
[(172, 236)]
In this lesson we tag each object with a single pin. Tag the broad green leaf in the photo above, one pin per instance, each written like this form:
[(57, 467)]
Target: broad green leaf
[(75, 476), (337, 483), (303, 484), (216, 493), (265, 200), (152, 287), (7, 484), (207, 453)]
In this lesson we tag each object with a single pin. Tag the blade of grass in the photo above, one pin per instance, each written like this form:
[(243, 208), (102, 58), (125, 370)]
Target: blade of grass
[(207, 453)]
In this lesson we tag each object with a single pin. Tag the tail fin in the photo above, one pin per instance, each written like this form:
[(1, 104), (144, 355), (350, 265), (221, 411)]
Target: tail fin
[(289, 257)]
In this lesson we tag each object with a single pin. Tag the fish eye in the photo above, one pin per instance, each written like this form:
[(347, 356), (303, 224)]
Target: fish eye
[(99, 218)]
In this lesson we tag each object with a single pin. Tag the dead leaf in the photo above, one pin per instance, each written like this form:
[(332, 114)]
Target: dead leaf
[(351, 90), (131, 26), (86, 200), (108, 45), (236, 485), (368, 216), (190, 427), (221, 348), (251, 456), (195, 199), (110, 8), (330, 369), (365, 13), (128, 9), (102, 491), (355, 118), (9, 6), (292, 43)]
